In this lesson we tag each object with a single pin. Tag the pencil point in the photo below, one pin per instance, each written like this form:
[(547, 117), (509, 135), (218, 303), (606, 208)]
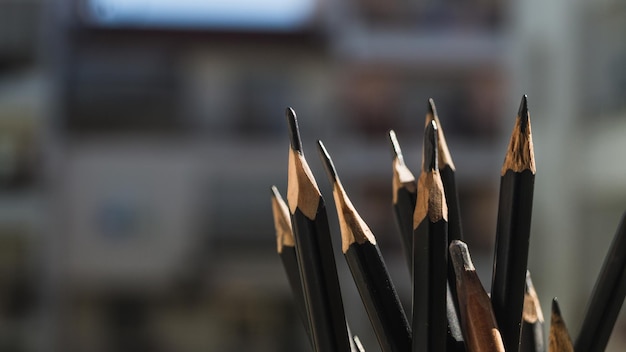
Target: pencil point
[(432, 110), (328, 162), (395, 146), (559, 339), (460, 257), (531, 311), (274, 191), (520, 154), (430, 148), (556, 309), (282, 221), (294, 132), (523, 113)]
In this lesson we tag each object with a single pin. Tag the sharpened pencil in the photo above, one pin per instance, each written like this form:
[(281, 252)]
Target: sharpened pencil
[(447, 170), (448, 179), (532, 337), (513, 230), (607, 297), (368, 269), (560, 340), (404, 196), (480, 329), (430, 253), (286, 248), (315, 252)]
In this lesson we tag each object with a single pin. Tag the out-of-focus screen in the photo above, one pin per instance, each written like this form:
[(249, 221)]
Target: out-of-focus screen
[(270, 15)]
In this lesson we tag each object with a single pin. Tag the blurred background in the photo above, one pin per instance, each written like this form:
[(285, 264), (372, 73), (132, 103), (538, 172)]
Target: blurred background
[(139, 139)]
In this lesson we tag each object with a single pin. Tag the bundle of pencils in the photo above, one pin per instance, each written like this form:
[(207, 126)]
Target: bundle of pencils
[(451, 311)]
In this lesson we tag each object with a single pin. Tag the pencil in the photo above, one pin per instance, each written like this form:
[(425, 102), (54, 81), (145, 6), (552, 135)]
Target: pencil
[(447, 171), (532, 337), (559, 336), (404, 195), (513, 230), (607, 297), (286, 248), (314, 250), (368, 269), (430, 253), (480, 329)]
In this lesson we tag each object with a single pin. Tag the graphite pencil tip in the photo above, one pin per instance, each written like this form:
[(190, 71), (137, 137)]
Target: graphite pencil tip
[(523, 113), (430, 148), (328, 162), (460, 257), (395, 146), (556, 309), (294, 132), (432, 110)]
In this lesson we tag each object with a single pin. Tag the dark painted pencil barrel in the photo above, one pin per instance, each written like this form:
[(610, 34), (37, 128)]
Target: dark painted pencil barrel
[(607, 297)]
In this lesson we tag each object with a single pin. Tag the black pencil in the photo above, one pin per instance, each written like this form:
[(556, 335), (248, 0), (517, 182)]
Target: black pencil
[(286, 248), (513, 230), (315, 252), (532, 337), (404, 195), (430, 253), (368, 269), (607, 297), (447, 171), (560, 340), (480, 329)]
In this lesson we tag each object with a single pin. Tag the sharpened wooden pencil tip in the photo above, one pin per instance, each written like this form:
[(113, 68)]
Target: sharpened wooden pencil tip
[(282, 221), (520, 154), (460, 257), (430, 148), (294, 132), (353, 228), (532, 308)]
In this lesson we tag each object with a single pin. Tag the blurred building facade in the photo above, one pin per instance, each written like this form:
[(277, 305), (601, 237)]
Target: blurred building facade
[(136, 157)]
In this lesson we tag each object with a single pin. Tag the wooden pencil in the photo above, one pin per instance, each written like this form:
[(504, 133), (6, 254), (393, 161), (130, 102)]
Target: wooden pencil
[(368, 269), (532, 337), (560, 340), (404, 196), (430, 253), (607, 297), (314, 250), (480, 329), (286, 248), (447, 171), (513, 230)]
